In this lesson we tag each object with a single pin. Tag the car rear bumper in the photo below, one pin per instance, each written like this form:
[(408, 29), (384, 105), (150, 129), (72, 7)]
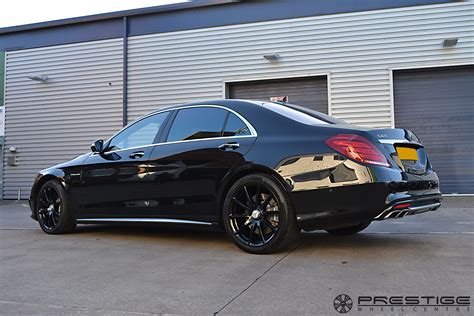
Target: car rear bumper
[(409, 207), (350, 205)]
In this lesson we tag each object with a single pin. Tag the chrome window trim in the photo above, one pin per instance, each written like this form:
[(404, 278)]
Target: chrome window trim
[(253, 131), (143, 220), (178, 141)]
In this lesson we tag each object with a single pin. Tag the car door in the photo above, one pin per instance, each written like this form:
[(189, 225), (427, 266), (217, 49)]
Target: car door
[(201, 146), (113, 182)]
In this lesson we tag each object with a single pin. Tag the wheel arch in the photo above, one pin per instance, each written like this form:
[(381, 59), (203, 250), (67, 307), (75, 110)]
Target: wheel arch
[(57, 175), (240, 173)]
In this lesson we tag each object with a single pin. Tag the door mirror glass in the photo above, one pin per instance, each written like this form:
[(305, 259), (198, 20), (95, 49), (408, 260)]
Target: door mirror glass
[(98, 146)]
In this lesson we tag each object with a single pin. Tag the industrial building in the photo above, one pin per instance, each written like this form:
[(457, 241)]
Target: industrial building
[(401, 63)]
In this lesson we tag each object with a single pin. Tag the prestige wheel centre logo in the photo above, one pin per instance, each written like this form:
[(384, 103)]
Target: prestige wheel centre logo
[(343, 303)]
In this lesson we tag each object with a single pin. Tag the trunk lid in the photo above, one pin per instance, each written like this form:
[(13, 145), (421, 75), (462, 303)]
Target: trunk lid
[(404, 148)]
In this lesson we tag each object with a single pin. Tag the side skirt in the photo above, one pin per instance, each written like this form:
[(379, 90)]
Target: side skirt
[(140, 220)]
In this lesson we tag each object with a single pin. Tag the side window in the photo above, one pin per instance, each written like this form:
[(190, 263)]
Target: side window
[(140, 133), (197, 123), (235, 126)]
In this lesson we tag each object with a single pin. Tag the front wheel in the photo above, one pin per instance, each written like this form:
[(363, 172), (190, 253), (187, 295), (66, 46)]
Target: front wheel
[(52, 210), (258, 215), (351, 230)]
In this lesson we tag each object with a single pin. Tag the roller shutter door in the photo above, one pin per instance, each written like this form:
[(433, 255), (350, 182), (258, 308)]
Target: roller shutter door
[(309, 92), (438, 105)]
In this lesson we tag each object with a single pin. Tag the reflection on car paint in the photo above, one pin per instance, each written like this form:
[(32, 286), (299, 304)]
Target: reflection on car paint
[(322, 171)]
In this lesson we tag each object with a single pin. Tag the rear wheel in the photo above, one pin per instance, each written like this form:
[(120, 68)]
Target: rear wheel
[(351, 230), (258, 215), (53, 213)]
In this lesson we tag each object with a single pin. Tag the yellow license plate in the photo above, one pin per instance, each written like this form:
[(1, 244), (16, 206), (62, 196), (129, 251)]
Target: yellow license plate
[(406, 153)]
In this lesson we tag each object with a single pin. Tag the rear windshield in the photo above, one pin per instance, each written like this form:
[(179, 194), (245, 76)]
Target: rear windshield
[(301, 114)]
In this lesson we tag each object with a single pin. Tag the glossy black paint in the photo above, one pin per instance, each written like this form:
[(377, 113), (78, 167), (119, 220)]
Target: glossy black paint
[(189, 174), (188, 180)]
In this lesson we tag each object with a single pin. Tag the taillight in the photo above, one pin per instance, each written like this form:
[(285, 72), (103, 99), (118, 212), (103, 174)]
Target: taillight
[(358, 148)]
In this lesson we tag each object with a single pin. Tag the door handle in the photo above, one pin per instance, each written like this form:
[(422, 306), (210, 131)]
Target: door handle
[(232, 146), (137, 154)]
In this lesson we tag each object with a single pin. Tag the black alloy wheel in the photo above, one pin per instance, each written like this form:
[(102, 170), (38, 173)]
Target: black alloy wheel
[(255, 214), (52, 210), (258, 215)]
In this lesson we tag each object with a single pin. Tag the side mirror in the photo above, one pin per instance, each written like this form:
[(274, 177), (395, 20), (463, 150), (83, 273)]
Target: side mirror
[(98, 146)]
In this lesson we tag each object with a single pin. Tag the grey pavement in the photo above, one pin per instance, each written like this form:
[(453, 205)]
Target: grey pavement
[(134, 270)]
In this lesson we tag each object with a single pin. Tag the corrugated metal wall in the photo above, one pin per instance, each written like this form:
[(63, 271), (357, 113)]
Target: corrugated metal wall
[(2, 76), (57, 120), (54, 121), (357, 49)]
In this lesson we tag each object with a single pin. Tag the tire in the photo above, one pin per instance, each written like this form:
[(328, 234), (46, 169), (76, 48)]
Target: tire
[(259, 226), (351, 230), (52, 209)]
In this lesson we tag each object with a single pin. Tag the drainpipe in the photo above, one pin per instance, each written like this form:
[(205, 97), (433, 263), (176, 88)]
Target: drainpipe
[(125, 72)]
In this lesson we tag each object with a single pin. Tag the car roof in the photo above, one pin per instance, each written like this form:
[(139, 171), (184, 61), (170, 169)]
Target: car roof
[(230, 103), (242, 106)]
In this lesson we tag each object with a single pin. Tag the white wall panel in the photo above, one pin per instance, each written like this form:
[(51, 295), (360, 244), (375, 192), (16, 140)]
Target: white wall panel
[(357, 49), (54, 121), (57, 120)]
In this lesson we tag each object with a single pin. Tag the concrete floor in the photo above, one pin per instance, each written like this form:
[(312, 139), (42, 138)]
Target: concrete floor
[(128, 270)]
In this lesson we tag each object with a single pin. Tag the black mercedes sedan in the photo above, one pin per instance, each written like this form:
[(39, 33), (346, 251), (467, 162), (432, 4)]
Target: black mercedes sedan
[(261, 170)]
